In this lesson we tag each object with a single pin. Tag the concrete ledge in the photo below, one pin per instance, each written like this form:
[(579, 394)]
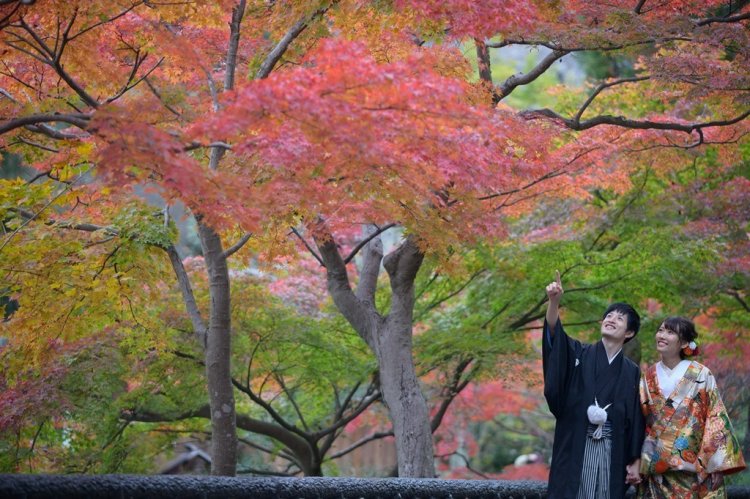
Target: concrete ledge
[(208, 487)]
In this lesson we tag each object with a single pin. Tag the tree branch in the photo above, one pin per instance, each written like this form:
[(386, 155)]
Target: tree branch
[(729, 19), (362, 441), (403, 263), (358, 313), (238, 245), (275, 55), (188, 298), (623, 122), (78, 120), (309, 248), (601, 87), (366, 240), (483, 61), (523, 79), (231, 63), (439, 301), (373, 256), (451, 391)]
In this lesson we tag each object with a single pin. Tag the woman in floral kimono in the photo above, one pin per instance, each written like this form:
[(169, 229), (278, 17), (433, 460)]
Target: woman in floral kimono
[(689, 443)]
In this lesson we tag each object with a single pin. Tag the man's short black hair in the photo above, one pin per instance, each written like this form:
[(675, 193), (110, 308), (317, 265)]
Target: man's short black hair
[(634, 320)]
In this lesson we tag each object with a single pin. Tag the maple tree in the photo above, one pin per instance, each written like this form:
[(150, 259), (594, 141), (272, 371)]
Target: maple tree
[(341, 134)]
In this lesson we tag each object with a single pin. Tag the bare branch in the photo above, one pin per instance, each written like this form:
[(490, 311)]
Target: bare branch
[(729, 19), (161, 99), (601, 87), (370, 237), (275, 55), (51, 132), (268, 408), (39, 146), (79, 120), (231, 63), (582, 48), (523, 79), (342, 420), (451, 391), (362, 441), (639, 6), (238, 245), (441, 300), (630, 123), (183, 281), (109, 20), (309, 248), (130, 85), (234, 40)]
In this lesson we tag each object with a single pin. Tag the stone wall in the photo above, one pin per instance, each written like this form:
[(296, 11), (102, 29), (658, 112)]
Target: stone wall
[(208, 487)]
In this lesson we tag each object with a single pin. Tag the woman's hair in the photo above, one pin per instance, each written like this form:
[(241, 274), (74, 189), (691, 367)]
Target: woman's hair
[(634, 320), (684, 328)]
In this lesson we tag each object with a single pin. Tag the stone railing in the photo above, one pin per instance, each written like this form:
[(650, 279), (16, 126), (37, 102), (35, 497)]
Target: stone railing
[(209, 487)]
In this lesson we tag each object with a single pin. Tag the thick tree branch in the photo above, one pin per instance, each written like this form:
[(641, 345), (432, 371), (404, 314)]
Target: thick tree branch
[(353, 309), (638, 8), (79, 120), (582, 48), (728, 19), (188, 298), (296, 444), (483, 61), (278, 51), (623, 122), (523, 79), (231, 63), (403, 264), (368, 276), (51, 132)]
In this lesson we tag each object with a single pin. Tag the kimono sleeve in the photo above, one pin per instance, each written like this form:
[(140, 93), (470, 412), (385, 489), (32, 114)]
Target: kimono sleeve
[(636, 420), (720, 449), (559, 356)]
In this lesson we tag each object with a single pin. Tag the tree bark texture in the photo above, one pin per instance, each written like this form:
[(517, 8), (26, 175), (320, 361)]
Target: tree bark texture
[(218, 355), (390, 339)]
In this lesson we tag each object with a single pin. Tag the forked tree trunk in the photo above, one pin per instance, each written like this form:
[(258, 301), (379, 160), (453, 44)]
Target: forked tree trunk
[(390, 339)]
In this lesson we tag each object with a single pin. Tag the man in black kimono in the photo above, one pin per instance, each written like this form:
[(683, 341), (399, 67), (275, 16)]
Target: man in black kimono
[(592, 390)]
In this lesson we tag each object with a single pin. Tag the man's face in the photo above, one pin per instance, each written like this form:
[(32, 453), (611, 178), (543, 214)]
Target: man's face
[(615, 327)]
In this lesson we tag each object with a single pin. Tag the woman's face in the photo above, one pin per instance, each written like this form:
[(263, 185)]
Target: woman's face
[(668, 342)]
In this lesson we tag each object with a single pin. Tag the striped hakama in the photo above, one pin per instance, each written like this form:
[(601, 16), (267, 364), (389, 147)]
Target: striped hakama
[(596, 463)]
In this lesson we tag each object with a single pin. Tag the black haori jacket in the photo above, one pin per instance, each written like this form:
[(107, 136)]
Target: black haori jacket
[(575, 373)]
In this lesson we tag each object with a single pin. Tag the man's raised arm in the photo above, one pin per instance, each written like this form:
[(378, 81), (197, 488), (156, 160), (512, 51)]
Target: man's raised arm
[(554, 293)]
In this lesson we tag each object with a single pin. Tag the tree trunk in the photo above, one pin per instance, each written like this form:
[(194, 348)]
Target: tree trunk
[(390, 339), (398, 377), (218, 355)]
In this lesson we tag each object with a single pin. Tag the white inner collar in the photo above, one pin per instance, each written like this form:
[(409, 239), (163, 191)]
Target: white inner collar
[(668, 378)]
